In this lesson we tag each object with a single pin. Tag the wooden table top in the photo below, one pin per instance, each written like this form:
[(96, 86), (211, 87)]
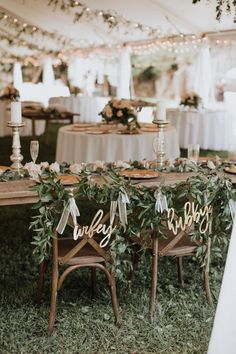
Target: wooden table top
[(18, 192)]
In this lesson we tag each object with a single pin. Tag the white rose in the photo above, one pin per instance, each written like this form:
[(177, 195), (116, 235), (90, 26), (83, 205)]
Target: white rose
[(98, 164), (211, 165), (44, 164), (122, 164), (33, 169), (54, 167), (76, 168)]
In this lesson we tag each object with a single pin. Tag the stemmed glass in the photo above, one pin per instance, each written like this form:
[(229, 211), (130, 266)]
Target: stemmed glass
[(34, 150)]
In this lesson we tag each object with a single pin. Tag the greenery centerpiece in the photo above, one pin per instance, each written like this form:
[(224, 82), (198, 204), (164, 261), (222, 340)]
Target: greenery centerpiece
[(9, 93), (191, 100), (121, 111)]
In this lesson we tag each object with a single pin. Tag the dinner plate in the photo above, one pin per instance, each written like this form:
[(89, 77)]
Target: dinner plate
[(83, 125), (140, 174), (230, 169), (97, 132)]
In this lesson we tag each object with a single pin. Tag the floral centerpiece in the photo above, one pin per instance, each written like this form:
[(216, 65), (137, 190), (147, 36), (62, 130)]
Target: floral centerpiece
[(9, 93), (191, 99), (121, 111)]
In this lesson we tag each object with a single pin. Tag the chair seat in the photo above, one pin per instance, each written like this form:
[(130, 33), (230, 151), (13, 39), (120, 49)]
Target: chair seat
[(184, 247), (86, 255)]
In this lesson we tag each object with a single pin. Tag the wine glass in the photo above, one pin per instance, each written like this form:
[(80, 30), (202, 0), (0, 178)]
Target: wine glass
[(34, 150)]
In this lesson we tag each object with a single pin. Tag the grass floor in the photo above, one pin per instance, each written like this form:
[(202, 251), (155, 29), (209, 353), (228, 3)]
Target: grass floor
[(181, 325)]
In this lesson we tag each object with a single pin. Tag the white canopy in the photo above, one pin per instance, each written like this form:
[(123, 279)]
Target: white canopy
[(169, 17)]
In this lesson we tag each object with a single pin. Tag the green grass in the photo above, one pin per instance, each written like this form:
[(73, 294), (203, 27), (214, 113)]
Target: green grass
[(182, 322)]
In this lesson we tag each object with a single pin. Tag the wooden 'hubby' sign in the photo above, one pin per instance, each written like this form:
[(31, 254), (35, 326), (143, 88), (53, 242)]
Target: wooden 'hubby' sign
[(192, 214)]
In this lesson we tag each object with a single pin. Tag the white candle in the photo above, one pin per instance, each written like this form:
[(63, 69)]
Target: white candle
[(161, 110), (16, 116)]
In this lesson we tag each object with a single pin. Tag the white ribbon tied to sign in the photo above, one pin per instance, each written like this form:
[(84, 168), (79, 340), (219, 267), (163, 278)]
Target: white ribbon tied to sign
[(122, 200), (232, 207), (161, 202), (69, 209)]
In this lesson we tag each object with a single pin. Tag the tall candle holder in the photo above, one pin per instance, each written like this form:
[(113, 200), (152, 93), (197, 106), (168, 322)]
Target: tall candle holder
[(159, 142), (16, 156)]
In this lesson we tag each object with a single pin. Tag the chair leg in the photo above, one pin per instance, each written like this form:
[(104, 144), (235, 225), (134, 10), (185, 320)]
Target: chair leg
[(180, 271), (42, 270), (115, 305), (93, 281), (207, 286), (154, 276), (206, 273), (53, 298), (135, 260)]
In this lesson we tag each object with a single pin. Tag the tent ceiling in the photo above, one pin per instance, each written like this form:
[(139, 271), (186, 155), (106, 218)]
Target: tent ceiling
[(169, 16)]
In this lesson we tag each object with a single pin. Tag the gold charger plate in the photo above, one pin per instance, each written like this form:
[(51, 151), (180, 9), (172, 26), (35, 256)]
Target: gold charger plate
[(4, 168), (66, 180), (230, 169), (149, 130), (140, 174)]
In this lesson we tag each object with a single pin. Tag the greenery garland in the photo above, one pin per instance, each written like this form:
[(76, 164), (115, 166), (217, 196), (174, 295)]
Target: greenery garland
[(111, 18), (220, 5), (204, 189)]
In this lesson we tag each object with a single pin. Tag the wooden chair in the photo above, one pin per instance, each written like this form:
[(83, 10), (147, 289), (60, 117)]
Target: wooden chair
[(177, 246), (72, 255)]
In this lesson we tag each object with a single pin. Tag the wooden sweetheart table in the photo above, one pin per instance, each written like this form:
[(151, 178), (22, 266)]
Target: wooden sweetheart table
[(18, 192)]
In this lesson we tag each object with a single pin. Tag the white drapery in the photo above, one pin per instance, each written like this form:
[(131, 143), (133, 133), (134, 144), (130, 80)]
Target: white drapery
[(17, 75), (48, 73), (201, 71), (223, 337), (124, 74)]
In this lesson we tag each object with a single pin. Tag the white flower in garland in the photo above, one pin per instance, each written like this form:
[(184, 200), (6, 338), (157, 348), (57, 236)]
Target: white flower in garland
[(33, 169), (44, 164), (122, 164), (76, 168), (98, 164), (54, 167)]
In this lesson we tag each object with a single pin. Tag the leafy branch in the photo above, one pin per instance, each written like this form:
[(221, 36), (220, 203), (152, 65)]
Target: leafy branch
[(228, 5)]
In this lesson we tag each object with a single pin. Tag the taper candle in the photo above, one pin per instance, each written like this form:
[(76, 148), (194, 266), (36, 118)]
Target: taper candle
[(16, 116), (161, 110)]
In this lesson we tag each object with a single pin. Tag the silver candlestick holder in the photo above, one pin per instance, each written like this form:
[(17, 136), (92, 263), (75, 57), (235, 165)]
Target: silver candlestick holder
[(16, 156), (159, 142)]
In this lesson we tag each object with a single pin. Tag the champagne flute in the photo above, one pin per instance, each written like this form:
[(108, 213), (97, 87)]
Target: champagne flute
[(34, 150)]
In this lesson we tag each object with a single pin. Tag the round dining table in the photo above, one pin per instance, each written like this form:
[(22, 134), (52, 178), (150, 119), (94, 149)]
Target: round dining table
[(210, 128), (75, 146)]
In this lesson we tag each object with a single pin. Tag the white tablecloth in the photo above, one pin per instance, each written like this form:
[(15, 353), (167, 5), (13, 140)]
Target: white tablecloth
[(5, 117), (223, 338), (211, 129), (88, 107), (78, 147)]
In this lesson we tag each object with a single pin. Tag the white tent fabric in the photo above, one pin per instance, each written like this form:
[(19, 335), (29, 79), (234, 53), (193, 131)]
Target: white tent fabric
[(170, 17)]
